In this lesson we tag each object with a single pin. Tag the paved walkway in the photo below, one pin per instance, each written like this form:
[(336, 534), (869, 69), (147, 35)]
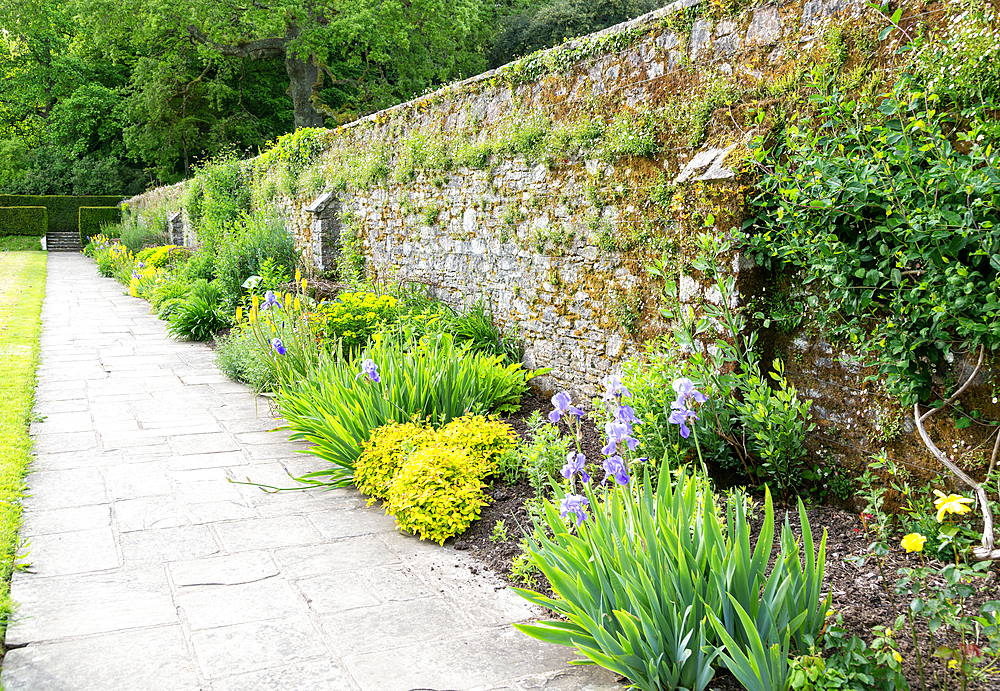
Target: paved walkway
[(150, 570)]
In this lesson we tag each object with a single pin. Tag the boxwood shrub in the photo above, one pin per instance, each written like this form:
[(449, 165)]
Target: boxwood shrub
[(23, 220), (92, 218)]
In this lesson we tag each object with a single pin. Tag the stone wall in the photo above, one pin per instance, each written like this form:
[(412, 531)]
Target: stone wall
[(559, 241), (525, 233)]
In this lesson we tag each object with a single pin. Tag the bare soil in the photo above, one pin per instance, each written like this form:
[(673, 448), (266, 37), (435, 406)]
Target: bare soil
[(859, 593)]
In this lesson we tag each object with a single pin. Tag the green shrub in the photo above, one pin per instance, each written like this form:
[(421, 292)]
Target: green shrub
[(476, 326), (197, 319), (201, 264), (239, 358), (23, 220), (170, 288), (247, 245), (437, 493), (92, 220), (353, 317), (137, 236), (645, 613), (337, 411), (63, 210), (777, 423), (155, 256)]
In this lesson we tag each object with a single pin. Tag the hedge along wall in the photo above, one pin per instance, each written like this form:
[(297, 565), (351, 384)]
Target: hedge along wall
[(93, 218), (550, 187), (63, 211), (23, 220)]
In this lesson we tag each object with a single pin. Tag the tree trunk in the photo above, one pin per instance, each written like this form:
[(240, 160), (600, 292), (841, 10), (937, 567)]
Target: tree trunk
[(302, 75)]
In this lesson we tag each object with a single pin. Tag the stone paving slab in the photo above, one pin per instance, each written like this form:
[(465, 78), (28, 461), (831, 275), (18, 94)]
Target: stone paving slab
[(152, 568)]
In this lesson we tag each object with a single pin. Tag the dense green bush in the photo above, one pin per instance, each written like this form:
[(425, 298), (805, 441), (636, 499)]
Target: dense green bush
[(23, 220), (336, 410), (248, 243), (352, 318), (200, 316), (63, 210), (92, 220), (239, 358)]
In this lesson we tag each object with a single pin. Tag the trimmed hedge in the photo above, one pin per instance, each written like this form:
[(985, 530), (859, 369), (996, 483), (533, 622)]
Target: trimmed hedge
[(93, 217), (24, 220), (63, 209)]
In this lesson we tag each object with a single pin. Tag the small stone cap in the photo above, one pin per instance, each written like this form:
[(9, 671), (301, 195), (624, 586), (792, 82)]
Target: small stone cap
[(320, 203)]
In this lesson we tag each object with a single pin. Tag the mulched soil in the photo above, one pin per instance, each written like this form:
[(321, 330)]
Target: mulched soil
[(858, 591)]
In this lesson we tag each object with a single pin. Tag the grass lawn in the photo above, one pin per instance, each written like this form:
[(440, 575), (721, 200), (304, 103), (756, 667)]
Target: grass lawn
[(19, 243), (22, 286)]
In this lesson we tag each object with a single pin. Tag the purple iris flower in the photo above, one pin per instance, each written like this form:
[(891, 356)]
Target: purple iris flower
[(614, 467), (614, 390), (563, 406), (574, 464), (369, 369), (685, 390), (680, 416), (574, 504), (270, 300), (618, 432), (626, 413), (277, 347)]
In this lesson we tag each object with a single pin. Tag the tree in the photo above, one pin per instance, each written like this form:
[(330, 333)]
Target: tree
[(359, 54)]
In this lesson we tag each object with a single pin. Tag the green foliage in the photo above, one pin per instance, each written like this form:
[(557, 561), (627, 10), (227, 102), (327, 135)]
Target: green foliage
[(777, 423), (136, 234), (93, 220), (201, 264), (850, 663), (892, 215), (23, 220), (544, 455), (248, 244), (437, 493), (477, 326), (200, 317), (63, 211), (353, 318), (650, 380), (155, 256), (631, 134), (644, 613), (218, 198), (240, 359), (336, 410), (170, 288), (542, 25)]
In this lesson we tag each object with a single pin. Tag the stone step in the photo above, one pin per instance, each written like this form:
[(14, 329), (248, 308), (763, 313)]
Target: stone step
[(62, 241)]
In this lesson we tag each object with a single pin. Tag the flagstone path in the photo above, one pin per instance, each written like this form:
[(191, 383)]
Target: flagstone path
[(148, 569)]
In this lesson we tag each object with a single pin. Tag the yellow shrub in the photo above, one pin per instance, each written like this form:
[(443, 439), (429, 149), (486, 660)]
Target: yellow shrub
[(384, 453), (483, 438), (437, 493)]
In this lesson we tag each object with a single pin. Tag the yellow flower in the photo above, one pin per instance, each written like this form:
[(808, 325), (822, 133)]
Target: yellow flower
[(914, 542), (952, 503), (952, 664), (897, 656)]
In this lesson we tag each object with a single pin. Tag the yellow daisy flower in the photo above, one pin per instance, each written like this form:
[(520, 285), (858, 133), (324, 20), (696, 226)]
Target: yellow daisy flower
[(951, 503), (914, 542)]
